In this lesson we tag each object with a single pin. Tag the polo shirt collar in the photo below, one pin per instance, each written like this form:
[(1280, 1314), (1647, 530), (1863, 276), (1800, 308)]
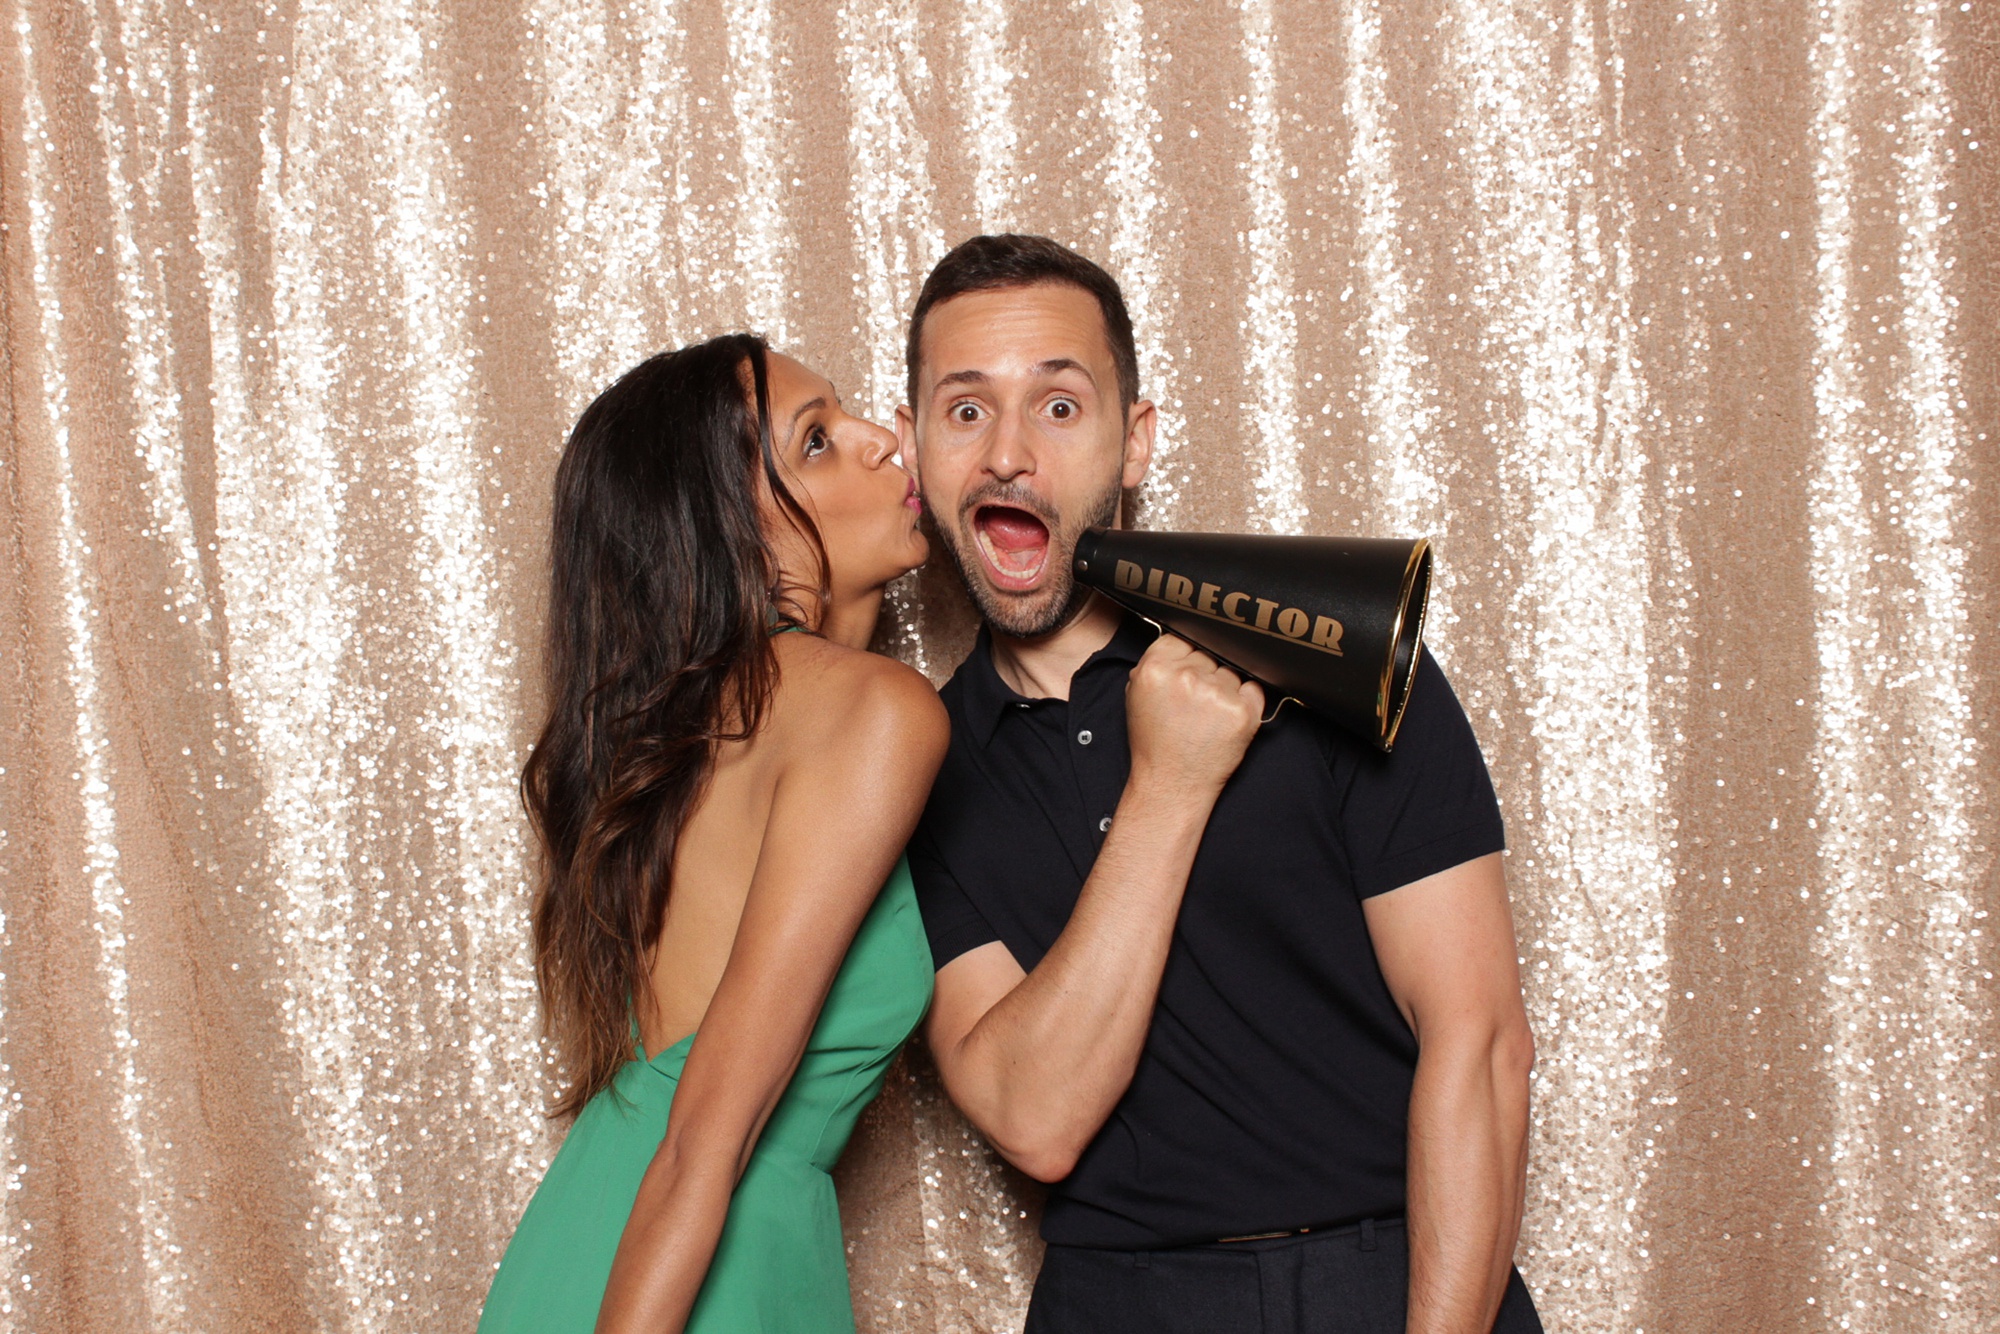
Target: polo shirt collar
[(988, 698)]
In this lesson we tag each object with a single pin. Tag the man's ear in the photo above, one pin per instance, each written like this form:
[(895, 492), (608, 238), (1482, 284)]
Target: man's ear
[(1139, 423), (906, 437)]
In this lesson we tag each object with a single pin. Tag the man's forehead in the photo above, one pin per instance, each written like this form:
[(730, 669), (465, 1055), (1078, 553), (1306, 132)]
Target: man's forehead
[(1039, 330)]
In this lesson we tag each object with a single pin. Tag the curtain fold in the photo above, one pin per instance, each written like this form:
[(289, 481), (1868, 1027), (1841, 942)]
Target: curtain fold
[(1673, 327)]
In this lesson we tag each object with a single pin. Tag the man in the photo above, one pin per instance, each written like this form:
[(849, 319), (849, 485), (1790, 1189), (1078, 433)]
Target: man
[(1245, 995)]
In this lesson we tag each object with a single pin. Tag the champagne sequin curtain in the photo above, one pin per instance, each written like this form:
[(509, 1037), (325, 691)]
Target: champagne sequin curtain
[(1674, 325)]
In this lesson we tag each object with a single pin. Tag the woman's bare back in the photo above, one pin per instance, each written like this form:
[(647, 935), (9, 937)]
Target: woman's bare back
[(726, 832)]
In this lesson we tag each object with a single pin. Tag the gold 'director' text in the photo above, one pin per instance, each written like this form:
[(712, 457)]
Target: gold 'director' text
[(1245, 609)]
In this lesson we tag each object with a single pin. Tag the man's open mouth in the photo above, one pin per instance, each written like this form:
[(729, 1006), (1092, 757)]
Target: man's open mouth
[(1014, 543)]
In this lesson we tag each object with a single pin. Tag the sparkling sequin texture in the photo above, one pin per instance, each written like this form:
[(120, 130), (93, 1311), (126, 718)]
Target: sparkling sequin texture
[(1672, 325)]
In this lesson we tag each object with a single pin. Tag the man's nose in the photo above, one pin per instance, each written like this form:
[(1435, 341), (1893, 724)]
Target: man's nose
[(1010, 449)]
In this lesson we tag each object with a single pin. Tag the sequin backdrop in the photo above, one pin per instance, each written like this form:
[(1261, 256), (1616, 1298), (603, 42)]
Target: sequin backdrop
[(1674, 324)]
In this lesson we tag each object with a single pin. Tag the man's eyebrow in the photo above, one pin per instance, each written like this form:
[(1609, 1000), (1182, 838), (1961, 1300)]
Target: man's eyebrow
[(1049, 367), (1054, 364), (804, 408)]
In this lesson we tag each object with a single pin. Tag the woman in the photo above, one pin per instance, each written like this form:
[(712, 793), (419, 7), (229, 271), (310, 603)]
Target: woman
[(727, 945)]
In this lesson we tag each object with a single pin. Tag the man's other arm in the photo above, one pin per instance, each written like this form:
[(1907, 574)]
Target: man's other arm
[(1038, 1060), (1446, 946)]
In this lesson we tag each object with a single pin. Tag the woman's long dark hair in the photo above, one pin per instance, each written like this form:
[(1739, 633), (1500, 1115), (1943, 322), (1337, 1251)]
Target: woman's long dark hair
[(662, 599)]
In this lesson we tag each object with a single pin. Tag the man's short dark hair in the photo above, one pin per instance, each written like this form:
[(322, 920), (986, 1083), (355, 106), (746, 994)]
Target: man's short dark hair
[(993, 263)]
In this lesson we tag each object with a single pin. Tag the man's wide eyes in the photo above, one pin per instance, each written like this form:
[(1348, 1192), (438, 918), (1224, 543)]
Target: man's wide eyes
[(1062, 409)]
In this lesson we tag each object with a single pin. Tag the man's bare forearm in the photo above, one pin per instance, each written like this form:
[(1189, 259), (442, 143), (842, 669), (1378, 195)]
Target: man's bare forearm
[(1467, 1176), (1043, 1068)]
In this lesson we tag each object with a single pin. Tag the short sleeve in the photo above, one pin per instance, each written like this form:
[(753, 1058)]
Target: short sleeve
[(952, 923), (1428, 805)]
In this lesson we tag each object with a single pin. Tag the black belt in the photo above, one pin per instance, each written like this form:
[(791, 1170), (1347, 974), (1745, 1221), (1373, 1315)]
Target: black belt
[(1365, 1229)]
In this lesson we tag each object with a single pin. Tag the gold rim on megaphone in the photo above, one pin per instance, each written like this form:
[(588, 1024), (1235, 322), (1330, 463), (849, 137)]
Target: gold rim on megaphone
[(1334, 623)]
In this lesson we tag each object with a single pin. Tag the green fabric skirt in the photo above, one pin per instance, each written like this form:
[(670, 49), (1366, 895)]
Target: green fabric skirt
[(780, 1267)]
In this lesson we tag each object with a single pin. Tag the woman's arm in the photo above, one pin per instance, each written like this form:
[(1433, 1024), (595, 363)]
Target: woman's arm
[(844, 806)]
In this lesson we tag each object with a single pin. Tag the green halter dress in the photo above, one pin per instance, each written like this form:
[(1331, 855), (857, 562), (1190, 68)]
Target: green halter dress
[(780, 1268)]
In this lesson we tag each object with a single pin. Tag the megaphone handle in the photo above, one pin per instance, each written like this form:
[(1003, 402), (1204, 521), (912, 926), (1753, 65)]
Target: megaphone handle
[(1282, 699)]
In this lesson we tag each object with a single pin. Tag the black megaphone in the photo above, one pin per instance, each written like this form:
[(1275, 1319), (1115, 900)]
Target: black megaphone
[(1332, 622)]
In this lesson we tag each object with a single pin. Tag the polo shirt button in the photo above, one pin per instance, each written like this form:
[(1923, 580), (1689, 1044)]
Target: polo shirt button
[(1104, 825), (1083, 737)]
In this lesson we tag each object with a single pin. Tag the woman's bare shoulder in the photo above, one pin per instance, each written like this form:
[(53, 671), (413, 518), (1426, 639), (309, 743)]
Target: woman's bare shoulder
[(829, 694)]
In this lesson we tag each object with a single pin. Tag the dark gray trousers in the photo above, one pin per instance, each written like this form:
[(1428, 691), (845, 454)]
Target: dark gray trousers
[(1345, 1281)]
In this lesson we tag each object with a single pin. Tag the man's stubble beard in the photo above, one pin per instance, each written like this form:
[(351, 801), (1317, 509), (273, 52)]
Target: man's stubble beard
[(1061, 597)]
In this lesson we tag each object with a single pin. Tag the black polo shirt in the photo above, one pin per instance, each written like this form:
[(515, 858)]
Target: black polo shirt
[(1274, 1088)]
